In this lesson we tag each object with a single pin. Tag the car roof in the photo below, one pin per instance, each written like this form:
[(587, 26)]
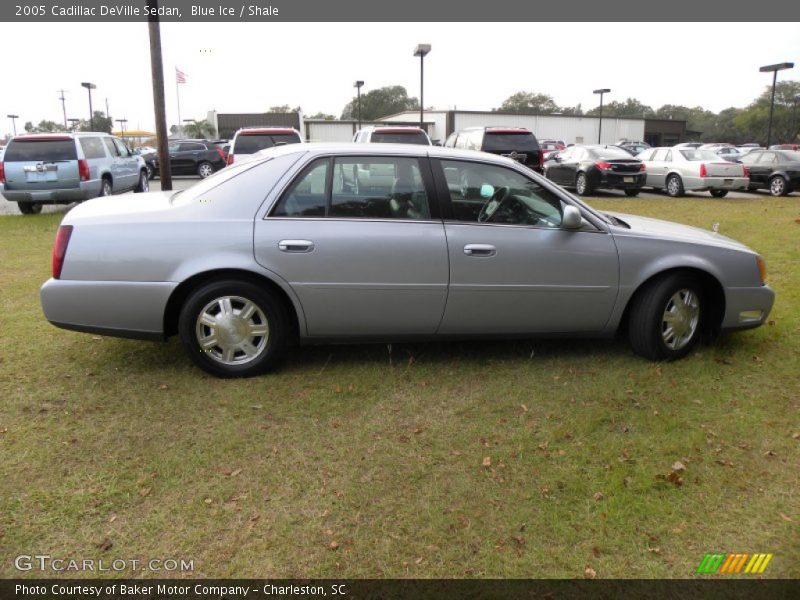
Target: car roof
[(58, 135)]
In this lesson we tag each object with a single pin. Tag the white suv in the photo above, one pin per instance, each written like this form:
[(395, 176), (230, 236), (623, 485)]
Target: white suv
[(249, 140), (392, 134)]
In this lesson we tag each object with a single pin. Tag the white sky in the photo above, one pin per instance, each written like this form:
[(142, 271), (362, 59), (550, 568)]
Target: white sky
[(248, 67)]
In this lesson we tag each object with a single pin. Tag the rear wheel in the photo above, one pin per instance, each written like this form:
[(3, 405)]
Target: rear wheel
[(144, 183), (233, 328), (30, 208), (675, 186), (582, 185), (105, 187), (204, 169), (631, 193), (719, 193), (665, 318), (777, 186)]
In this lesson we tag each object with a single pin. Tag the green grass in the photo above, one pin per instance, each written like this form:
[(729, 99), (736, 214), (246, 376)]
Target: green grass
[(123, 442)]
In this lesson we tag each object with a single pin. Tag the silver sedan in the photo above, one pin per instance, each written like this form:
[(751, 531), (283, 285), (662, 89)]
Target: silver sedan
[(678, 170), (379, 242)]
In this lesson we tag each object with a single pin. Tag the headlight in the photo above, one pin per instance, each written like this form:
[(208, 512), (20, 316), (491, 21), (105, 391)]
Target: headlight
[(762, 269)]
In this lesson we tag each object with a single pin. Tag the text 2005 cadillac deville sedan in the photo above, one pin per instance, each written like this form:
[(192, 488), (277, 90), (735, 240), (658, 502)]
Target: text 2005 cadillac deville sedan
[(347, 242)]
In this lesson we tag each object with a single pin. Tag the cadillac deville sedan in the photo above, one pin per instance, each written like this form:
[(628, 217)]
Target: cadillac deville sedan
[(678, 170), (380, 242)]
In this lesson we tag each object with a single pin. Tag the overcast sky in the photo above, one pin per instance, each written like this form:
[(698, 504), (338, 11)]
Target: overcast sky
[(248, 67)]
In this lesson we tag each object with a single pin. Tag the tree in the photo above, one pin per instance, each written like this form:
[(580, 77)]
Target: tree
[(199, 129), (380, 103), (697, 119), (528, 102), (44, 127), (630, 108), (284, 108), (324, 116), (753, 121), (100, 122)]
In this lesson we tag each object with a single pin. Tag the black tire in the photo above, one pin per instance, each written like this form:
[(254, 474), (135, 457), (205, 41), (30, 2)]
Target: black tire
[(151, 173), (205, 169), (719, 193), (648, 328), (582, 186), (106, 189), (632, 193), (777, 186), (229, 357), (674, 185), (144, 183), (30, 208)]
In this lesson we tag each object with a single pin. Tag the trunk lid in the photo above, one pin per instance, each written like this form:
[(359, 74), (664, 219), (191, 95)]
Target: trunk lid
[(724, 169)]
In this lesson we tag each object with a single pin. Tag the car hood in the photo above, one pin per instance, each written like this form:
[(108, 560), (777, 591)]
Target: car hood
[(111, 207), (658, 229)]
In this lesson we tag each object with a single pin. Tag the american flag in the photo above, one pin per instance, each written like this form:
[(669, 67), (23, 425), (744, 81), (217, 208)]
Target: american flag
[(180, 76)]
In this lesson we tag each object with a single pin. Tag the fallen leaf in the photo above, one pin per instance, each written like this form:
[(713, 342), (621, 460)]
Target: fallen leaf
[(589, 572), (163, 386), (487, 461), (104, 545), (97, 338), (256, 406), (328, 532), (112, 519), (523, 407), (627, 481), (455, 452), (208, 500), (145, 491), (678, 466), (769, 453), (333, 545), (655, 550), (795, 436), (786, 518), (598, 496), (418, 560)]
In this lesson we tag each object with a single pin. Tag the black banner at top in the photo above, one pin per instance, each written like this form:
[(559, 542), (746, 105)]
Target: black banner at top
[(407, 10)]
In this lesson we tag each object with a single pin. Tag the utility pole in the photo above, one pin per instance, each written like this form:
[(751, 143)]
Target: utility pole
[(63, 106), (157, 70)]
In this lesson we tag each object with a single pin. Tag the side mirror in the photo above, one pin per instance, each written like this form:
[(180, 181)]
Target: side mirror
[(571, 218)]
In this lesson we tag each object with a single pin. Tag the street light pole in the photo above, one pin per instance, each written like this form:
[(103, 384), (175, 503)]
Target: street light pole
[(14, 122), (600, 125), (422, 50), (358, 85), (774, 70), (73, 123), (90, 87), (122, 125)]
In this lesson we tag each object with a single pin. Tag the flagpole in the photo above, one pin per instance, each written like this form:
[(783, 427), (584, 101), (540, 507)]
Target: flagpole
[(178, 96)]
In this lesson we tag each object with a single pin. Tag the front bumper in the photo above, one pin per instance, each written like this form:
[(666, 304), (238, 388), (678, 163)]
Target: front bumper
[(746, 308), (116, 308)]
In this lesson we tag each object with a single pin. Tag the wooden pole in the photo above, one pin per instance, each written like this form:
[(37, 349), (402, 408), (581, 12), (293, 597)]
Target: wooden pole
[(157, 70)]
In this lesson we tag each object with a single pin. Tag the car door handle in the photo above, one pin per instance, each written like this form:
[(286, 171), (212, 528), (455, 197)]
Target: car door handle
[(479, 250), (295, 246)]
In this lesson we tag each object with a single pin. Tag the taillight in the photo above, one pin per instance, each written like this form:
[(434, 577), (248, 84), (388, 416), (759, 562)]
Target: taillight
[(2, 173), (642, 167), (221, 153), (60, 249), (541, 159), (230, 159), (83, 169), (703, 170), (605, 166), (745, 171)]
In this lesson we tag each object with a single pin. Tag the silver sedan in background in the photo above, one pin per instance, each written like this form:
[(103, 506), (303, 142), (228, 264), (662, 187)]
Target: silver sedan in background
[(381, 242), (678, 170)]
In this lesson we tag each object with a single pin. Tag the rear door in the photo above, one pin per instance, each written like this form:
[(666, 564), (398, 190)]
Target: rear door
[(759, 172), (186, 157), (128, 162), (362, 246), (41, 163), (658, 166)]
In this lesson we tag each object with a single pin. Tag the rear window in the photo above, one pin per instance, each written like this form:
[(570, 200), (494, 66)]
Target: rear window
[(506, 142), (93, 147), (248, 143), (611, 153), (793, 156), (40, 150), (412, 137), (699, 155)]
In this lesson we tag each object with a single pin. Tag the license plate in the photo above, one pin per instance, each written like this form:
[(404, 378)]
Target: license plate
[(627, 179), (727, 181)]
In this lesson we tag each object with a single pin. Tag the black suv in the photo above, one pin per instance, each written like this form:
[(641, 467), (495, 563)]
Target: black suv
[(514, 142), (192, 157)]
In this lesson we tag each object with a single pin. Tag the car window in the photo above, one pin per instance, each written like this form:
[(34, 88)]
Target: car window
[(660, 154), (250, 143), (790, 156), (767, 158), (492, 194), (386, 188), (695, 155), (400, 137), (93, 147), (750, 158), (306, 197), (668, 157), (40, 149), (646, 155), (123, 149), (112, 149), (191, 147), (611, 153)]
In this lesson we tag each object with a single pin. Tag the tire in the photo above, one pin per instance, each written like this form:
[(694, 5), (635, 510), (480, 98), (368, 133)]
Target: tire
[(582, 185), (777, 186), (719, 193), (105, 187), (632, 193), (236, 349), (151, 173), (655, 336), (144, 183), (30, 208), (675, 186), (204, 169)]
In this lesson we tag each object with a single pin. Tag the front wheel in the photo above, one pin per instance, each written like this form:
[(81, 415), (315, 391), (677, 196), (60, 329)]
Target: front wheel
[(233, 328), (30, 208), (205, 169), (777, 186), (151, 173), (719, 193), (665, 318), (675, 186), (144, 183)]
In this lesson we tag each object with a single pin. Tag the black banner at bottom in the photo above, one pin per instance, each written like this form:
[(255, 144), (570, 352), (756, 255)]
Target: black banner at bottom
[(398, 589)]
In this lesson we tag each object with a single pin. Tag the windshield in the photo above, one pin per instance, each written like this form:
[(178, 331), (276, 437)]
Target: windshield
[(412, 137), (699, 155)]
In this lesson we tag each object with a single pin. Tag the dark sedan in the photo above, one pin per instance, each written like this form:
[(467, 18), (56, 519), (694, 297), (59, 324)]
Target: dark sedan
[(775, 170), (193, 157), (588, 168)]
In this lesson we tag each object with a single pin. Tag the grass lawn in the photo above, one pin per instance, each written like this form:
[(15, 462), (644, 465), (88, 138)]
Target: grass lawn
[(515, 459)]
